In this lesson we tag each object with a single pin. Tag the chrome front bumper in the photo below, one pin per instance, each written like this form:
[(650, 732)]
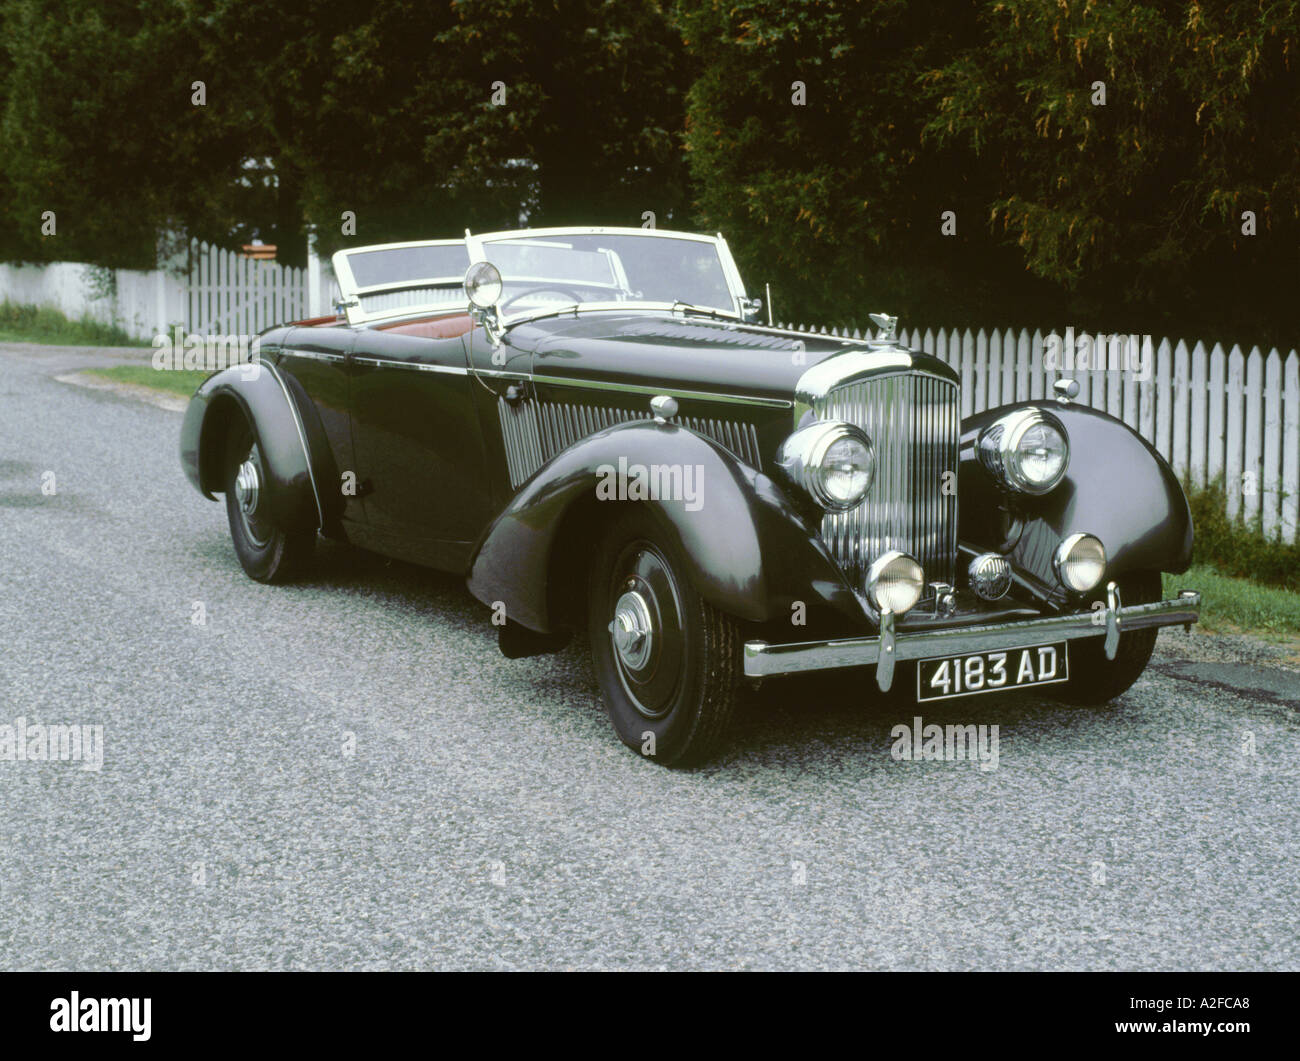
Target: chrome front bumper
[(763, 659)]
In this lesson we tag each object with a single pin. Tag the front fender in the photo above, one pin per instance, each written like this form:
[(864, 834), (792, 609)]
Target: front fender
[(751, 553), (1116, 487), (283, 423)]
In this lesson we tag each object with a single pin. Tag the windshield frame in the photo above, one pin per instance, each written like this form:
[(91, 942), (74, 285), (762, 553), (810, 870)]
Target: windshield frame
[(735, 286), (351, 293)]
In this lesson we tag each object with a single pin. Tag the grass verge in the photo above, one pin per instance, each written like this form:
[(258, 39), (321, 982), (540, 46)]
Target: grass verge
[(174, 381), (1234, 605), (1238, 549), (42, 324)]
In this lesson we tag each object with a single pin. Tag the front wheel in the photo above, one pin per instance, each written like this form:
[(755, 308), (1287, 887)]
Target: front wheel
[(668, 663), (267, 552), (1094, 679)]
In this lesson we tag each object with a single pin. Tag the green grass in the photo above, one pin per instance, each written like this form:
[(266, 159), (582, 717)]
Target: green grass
[(180, 381), (1230, 604), (1236, 549), (42, 324)]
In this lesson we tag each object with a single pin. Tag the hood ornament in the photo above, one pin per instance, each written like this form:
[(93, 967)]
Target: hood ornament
[(888, 327)]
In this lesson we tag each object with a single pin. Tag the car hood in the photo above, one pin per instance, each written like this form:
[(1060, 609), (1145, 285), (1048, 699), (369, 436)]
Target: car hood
[(678, 353)]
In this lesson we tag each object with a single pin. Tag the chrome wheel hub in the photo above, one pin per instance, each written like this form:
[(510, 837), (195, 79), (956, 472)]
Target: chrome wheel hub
[(247, 487), (632, 630)]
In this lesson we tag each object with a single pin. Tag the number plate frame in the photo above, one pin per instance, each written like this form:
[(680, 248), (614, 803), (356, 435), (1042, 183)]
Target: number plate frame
[(1012, 664)]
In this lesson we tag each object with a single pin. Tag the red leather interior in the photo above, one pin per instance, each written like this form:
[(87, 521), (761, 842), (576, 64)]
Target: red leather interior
[(436, 328), (445, 327)]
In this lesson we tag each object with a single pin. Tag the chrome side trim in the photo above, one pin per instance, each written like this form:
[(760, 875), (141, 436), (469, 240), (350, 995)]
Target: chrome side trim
[(302, 437), (415, 366), (763, 659), (313, 355), (626, 388)]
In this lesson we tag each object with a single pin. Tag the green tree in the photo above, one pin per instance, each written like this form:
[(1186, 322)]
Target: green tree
[(98, 125), (1126, 140), (804, 135), (422, 119)]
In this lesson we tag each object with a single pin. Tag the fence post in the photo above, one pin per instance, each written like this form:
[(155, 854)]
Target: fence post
[(1235, 432), (1290, 518), (313, 275), (1272, 470), (1254, 434)]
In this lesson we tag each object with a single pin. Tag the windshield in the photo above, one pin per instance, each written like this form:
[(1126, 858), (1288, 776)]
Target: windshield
[(541, 273)]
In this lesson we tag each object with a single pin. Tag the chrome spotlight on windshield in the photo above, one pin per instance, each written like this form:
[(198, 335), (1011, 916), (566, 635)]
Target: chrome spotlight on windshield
[(483, 287)]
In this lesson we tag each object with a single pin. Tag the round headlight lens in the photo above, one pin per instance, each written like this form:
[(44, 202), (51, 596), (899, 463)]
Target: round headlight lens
[(1026, 450), (846, 469), (895, 582), (833, 462), (1040, 455), (1080, 562)]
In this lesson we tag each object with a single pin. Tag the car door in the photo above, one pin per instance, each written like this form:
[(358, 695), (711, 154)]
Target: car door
[(417, 446), (416, 436)]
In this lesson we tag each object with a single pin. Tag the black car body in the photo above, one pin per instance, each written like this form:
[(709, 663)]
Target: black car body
[(639, 458)]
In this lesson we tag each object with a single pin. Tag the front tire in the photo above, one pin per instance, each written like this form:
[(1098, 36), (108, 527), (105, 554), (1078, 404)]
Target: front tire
[(1094, 679), (668, 663), (267, 552)]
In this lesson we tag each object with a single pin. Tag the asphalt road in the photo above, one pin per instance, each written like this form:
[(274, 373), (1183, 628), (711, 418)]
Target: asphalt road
[(345, 773)]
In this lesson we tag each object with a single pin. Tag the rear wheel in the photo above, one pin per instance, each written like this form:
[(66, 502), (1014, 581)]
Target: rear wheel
[(668, 663), (1094, 679), (267, 552)]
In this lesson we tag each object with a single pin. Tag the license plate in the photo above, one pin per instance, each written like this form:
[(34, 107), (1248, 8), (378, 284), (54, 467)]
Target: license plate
[(944, 677)]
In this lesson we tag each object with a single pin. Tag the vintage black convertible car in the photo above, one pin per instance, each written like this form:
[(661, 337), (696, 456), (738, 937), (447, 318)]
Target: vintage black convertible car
[(589, 424)]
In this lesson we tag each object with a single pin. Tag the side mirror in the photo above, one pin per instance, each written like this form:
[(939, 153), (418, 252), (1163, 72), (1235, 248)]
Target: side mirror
[(483, 288), (751, 310)]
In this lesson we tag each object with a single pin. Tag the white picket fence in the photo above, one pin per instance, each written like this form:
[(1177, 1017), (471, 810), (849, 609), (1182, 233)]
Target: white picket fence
[(229, 294), (206, 290), (1212, 413)]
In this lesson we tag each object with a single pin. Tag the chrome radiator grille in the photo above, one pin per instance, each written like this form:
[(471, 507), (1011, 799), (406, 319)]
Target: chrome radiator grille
[(915, 424)]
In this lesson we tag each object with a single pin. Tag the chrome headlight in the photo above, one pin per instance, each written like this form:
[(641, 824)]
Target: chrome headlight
[(1026, 450), (1079, 562), (833, 462), (895, 582)]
